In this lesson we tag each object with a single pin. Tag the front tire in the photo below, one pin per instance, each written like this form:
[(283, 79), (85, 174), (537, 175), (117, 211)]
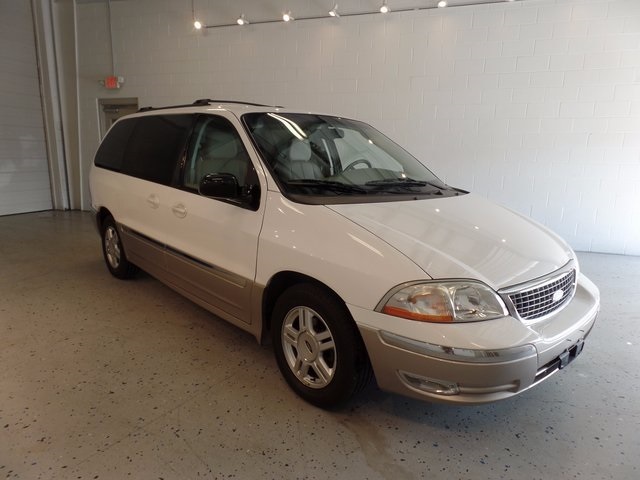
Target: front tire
[(113, 251), (318, 347)]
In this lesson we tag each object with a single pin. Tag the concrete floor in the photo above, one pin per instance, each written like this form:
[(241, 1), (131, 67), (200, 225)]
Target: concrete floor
[(105, 379)]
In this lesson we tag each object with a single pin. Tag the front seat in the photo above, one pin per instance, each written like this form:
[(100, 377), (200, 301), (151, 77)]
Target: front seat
[(222, 154), (299, 164)]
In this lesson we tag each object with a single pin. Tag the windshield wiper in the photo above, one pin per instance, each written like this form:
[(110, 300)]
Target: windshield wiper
[(393, 182), (404, 184), (327, 185)]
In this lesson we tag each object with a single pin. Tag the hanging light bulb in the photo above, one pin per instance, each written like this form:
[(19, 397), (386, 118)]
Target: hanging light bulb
[(287, 17), (242, 20), (196, 23), (442, 3), (334, 11), (384, 8)]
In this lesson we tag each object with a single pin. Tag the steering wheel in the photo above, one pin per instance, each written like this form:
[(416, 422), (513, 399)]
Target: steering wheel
[(357, 162)]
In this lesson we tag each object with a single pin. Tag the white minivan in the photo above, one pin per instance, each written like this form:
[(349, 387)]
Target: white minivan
[(321, 234)]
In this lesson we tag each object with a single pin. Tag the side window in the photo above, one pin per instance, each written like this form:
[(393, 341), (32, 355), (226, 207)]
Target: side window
[(156, 146), (110, 154), (216, 147)]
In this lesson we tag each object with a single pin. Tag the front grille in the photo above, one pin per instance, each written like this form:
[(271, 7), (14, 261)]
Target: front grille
[(539, 301)]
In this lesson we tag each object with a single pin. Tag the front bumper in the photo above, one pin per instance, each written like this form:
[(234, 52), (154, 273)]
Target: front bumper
[(472, 363)]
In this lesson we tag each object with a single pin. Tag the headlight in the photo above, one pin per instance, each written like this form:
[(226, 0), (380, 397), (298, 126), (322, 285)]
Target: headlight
[(444, 302)]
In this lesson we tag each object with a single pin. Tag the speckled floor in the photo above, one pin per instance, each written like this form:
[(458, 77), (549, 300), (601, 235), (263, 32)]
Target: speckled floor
[(104, 379)]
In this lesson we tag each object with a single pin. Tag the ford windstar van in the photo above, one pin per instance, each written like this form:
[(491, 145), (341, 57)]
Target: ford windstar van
[(322, 235)]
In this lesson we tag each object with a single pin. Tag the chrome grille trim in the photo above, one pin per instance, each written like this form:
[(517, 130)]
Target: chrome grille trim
[(534, 301), (539, 301)]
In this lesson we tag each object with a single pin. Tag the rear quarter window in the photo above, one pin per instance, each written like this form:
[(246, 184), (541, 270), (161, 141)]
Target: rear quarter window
[(155, 147), (110, 154)]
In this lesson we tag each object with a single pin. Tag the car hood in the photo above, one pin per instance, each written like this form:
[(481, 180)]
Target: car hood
[(463, 237)]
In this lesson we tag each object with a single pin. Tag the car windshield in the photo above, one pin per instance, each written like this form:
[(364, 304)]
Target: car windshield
[(317, 155)]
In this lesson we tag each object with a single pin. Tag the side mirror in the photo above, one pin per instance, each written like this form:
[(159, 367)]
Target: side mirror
[(224, 187), (219, 185)]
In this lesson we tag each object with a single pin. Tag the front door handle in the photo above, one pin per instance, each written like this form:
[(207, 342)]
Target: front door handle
[(179, 210), (153, 200)]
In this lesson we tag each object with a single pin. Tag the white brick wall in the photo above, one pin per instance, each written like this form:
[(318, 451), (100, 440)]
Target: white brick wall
[(534, 104), (24, 174)]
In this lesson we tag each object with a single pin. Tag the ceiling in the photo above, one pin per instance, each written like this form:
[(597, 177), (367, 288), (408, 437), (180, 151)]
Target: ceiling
[(223, 12), (215, 12)]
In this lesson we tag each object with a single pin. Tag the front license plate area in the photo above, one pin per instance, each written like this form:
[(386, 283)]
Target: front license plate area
[(568, 356)]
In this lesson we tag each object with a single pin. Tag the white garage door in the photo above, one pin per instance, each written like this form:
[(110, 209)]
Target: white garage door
[(24, 171)]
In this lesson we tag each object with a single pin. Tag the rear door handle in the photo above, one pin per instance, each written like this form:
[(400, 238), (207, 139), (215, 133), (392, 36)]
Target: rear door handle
[(153, 200), (179, 210)]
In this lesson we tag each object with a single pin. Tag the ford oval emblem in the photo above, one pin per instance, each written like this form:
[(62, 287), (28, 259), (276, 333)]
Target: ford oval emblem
[(558, 295)]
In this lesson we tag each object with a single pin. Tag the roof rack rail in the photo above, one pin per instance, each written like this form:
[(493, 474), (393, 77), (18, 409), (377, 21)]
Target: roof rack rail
[(206, 101), (148, 109)]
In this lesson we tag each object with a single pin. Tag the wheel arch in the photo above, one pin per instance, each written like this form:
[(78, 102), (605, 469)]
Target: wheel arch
[(101, 215), (277, 285)]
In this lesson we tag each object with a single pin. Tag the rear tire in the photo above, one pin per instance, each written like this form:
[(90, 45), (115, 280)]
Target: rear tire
[(113, 251), (318, 347)]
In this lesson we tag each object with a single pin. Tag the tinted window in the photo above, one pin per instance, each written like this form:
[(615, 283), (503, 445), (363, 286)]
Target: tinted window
[(156, 146), (111, 151)]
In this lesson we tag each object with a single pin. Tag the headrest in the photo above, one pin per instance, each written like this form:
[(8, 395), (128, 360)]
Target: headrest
[(300, 150), (221, 145)]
